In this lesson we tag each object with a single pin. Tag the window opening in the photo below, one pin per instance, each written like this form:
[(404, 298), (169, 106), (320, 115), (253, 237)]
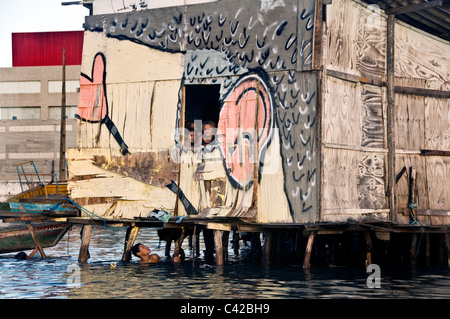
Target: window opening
[(201, 105)]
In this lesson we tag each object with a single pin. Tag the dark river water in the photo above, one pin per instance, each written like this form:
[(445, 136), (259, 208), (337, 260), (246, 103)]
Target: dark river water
[(61, 277)]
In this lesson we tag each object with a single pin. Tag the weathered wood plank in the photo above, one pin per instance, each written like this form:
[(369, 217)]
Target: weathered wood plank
[(419, 55), (85, 240), (437, 124), (372, 125), (340, 179), (155, 167), (438, 175), (141, 62), (391, 112), (308, 250), (219, 247), (410, 122), (370, 48), (371, 190), (130, 238), (342, 113)]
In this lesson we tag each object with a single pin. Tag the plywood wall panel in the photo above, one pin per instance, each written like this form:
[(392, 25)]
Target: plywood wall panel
[(372, 116), (342, 113), (356, 40), (340, 179), (438, 175), (410, 122), (419, 55), (437, 124)]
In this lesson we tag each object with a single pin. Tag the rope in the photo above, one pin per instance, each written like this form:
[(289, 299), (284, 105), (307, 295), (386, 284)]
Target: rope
[(413, 220), (87, 212)]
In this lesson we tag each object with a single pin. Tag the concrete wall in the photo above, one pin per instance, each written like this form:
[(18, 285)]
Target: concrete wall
[(30, 140), (32, 95), (32, 92)]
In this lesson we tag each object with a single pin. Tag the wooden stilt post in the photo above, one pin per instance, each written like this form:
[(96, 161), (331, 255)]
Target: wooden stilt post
[(225, 240), (236, 242), (178, 243), (268, 247), (130, 238), (391, 113), (368, 249), (197, 241), (219, 247), (427, 249), (85, 239), (208, 238), (167, 250), (309, 245), (413, 249), (447, 243), (194, 244), (256, 245), (36, 241)]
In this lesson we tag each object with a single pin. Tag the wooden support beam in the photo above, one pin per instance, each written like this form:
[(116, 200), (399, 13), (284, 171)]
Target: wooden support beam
[(427, 249), (178, 242), (36, 241), (219, 247), (422, 92), (225, 240), (85, 239), (269, 246), (130, 238), (447, 243), (414, 7), (434, 153), (368, 248), (236, 242), (208, 238), (308, 250), (391, 113), (195, 244)]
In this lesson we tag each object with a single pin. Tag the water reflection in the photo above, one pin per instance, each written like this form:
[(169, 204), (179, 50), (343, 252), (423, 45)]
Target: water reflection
[(104, 276)]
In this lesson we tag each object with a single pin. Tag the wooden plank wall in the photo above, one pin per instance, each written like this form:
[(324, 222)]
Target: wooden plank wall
[(150, 55), (354, 117), (140, 104)]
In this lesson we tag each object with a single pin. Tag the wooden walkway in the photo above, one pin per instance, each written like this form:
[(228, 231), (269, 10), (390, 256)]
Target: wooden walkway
[(219, 228)]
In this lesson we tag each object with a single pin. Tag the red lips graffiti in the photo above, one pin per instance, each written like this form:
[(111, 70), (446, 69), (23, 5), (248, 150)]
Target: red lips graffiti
[(245, 127), (93, 104)]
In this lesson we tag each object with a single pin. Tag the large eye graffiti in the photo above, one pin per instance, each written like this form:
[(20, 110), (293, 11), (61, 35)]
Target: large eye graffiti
[(93, 104), (245, 128)]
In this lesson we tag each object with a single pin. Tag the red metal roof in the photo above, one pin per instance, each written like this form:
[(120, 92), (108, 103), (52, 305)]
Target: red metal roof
[(46, 48)]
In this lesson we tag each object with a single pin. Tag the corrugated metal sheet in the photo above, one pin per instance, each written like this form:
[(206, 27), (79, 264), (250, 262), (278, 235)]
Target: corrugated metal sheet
[(431, 16), (46, 48)]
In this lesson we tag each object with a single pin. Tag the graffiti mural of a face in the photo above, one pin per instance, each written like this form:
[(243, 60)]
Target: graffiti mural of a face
[(270, 47), (245, 127)]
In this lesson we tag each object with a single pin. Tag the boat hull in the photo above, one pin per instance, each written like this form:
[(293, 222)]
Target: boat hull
[(48, 198), (18, 237)]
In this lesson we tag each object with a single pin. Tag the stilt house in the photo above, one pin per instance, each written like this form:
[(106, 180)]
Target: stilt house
[(325, 111)]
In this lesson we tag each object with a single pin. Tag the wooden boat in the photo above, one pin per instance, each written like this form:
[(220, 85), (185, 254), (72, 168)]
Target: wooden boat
[(18, 237), (48, 198)]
